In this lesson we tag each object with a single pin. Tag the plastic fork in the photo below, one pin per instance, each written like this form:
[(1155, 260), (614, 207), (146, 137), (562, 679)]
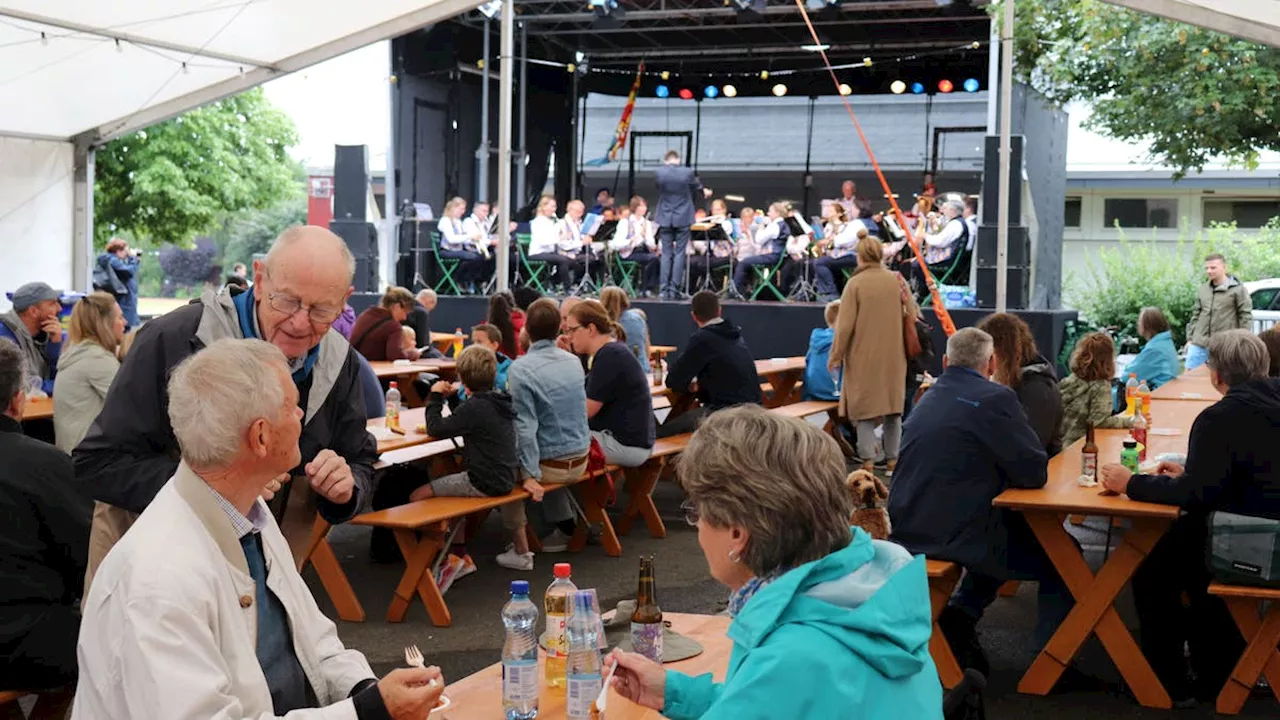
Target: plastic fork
[(413, 658)]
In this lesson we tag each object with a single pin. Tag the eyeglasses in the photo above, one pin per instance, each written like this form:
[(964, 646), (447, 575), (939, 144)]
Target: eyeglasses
[(571, 329), (290, 305), (691, 514)]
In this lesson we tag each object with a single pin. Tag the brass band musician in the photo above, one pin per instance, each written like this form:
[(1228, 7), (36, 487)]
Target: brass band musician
[(636, 240), (455, 244)]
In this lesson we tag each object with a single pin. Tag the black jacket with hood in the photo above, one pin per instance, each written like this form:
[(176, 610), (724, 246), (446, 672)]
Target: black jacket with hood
[(718, 358), (1233, 459), (487, 424), (130, 451), (1042, 401)]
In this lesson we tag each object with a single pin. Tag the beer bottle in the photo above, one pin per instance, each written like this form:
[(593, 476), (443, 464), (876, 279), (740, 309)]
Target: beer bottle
[(646, 620), (1089, 455)]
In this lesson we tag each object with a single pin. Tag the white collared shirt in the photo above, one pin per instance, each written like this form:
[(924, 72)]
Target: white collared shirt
[(452, 234), (544, 235)]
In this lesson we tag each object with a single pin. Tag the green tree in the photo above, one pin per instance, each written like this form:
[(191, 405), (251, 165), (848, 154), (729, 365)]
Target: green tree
[(248, 233), (175, 180), (1193, 93)]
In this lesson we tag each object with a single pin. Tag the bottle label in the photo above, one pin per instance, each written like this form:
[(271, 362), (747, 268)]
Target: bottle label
[(646, 640), (1089, 465), (519, 681), (582, 690), (1140, 434), (557, 646)]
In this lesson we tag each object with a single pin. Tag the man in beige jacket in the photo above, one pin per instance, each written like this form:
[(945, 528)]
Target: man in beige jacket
[(1222, 303)]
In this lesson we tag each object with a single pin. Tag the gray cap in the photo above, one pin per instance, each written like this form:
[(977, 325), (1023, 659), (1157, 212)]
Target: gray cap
[(32, 293)]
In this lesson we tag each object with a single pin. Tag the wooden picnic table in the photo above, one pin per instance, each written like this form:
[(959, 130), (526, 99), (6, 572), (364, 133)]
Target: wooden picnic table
[(444, 341), (410, 419), (781, 373), (1193, 385), (38, 409), (479, 696), (1094, 612), (658, 352), (390, 370)]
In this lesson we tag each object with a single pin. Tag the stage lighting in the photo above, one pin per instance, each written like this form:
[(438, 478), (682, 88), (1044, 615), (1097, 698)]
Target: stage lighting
[(662, 91), (945, 86), (686, 94), (665, 74), (779, 90), (897, 87), (917, 88), (711, 91), (609, 14), (845, 89), (730, 91), (971, 85), (764, 74), (491, 9), (816, 5), (750, 10)]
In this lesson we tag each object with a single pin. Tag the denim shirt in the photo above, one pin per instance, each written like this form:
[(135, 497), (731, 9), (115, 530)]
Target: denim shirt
[(550, 397)]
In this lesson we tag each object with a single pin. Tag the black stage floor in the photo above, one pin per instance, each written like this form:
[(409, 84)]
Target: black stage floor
[(770, 329)]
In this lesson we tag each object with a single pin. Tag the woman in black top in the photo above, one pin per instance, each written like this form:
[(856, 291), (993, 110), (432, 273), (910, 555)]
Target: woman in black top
[(619, 403)]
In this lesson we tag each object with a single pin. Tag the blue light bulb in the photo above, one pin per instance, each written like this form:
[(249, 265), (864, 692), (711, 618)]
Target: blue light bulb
[(917, 88), (711, 91), (662, 91), (971, 85)]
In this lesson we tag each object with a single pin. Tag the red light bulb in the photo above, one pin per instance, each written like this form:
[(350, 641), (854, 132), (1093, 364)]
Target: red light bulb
[(945, 86), (686, 94)]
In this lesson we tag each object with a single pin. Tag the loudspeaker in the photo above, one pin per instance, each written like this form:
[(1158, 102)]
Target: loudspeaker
[(350, 182), (1017, 290), (991, 180), (362, 239), (366, 277), (1019, 248)]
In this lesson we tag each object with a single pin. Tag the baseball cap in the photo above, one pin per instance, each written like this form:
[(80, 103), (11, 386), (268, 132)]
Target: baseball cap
[(32, 293)]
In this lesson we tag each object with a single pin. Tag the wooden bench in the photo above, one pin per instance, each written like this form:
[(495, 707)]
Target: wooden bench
[(943, 577), (1260, 656), (642, 480)]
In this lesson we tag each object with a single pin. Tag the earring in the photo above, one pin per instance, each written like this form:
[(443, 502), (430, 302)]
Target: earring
[(734, 556)]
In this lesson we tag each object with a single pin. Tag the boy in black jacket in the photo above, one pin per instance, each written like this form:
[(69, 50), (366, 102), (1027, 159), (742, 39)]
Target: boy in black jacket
[(486, 423)]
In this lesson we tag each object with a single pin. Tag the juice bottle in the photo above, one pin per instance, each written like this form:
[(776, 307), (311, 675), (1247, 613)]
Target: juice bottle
[(1129, 456), (457, 343), (1130, 394), (1139, 430), (1144, 395), (392, 418), (558, 604)]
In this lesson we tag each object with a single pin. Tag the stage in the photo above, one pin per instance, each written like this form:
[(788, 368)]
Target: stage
[(770, 329)]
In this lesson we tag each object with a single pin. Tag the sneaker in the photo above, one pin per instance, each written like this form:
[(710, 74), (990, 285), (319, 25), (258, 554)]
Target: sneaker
[(455, 568), (556, 542), (513, 560)]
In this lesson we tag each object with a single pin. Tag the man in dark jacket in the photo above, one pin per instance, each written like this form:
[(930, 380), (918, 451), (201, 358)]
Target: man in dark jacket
[(420, 320), (43, 545), (1233, 465), (300, 288), (716, 365), (966, 442), (677, 186)]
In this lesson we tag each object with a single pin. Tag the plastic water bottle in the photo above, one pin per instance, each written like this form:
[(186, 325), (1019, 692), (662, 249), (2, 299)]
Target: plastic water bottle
[(392, 419), (520, 655), (1130, 394), (584, 680), (558, 603)]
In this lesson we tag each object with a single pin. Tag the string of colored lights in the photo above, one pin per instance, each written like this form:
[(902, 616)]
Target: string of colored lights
[(939, 307)]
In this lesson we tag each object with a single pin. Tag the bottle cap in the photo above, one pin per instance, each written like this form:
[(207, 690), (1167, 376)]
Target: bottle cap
[(394, 384), (562, 570), (1130, 444), (519, 587)]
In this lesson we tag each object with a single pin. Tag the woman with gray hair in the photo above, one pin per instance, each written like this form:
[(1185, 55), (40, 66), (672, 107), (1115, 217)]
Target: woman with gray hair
[(825, 618), (1233, 465)]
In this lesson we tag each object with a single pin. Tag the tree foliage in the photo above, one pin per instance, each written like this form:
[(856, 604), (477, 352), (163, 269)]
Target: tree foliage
[(174, 180), (245, 234), (1193, 93)]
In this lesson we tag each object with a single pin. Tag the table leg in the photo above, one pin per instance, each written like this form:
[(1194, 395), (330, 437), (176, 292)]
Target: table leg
[(594, 496), (680, 403), (1094, 612), (949, 671), (1259, 658), (640, 485), (320, 555), (417, 577), (783, 384)]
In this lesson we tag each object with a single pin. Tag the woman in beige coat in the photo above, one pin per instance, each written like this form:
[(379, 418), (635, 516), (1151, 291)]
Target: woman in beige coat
[(869, 346)]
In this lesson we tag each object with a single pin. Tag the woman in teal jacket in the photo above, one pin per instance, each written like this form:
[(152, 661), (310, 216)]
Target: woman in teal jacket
[(1158, 362), (828, 623)]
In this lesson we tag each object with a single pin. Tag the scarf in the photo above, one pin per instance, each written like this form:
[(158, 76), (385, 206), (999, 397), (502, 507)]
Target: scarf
[(739, 598), (245, 313)]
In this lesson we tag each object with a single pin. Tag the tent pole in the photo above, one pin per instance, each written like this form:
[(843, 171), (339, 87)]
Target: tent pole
[(82, 215), (482, 152), (506, 69), (1006, 121), (522, 158)]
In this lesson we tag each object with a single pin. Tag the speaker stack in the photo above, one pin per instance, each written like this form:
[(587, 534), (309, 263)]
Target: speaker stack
[(1018, 287), (350, 198)]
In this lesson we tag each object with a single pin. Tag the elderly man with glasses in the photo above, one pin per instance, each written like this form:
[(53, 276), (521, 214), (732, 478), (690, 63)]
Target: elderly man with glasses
[(299, 289)]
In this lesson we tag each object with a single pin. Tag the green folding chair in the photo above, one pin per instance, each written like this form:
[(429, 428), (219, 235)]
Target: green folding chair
[(627, 270), (532, 274), (764, 279), (446, 266)]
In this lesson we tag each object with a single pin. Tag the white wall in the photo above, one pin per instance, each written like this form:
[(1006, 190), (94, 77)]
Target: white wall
[(36, 203)]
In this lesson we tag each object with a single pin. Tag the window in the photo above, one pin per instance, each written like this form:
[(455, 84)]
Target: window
[(1072, 213), (1141, 212), (1245, 213), (1262, 298)]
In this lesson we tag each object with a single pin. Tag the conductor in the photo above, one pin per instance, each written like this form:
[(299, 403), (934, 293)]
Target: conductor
[(677, 186)]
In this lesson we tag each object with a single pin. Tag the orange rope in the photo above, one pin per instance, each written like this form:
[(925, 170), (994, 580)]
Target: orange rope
[(939, 308)]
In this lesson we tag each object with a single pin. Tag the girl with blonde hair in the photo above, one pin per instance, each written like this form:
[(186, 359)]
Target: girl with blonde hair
[(87, 367)]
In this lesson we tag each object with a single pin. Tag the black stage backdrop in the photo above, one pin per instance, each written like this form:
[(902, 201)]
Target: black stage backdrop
[(770, 329)]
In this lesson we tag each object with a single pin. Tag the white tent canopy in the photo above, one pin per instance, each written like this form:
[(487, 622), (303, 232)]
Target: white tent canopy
[(1256, 20)]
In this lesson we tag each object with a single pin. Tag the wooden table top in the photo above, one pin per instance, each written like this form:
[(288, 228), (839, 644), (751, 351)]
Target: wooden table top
[(1193, 385), (659, 350), (765, 368), (39, 409), (479, 697), (1062, 493), (409, 421), (388, 369)]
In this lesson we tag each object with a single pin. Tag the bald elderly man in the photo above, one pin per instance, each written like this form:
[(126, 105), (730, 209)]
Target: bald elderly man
[(299, 289)]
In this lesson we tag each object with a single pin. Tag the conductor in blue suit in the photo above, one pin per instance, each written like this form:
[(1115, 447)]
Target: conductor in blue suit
[(677, 188)]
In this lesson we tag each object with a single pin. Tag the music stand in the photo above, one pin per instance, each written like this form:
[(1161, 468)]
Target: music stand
[(603, 235), (804, 290)]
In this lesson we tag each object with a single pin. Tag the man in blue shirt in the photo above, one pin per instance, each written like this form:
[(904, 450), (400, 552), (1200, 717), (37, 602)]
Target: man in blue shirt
[(552, 439), (33, 326)]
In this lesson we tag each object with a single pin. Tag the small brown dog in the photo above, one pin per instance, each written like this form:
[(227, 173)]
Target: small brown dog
[(869, 495)]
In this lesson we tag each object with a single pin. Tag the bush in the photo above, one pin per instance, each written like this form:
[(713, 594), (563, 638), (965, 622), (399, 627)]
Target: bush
[(1119, 281)]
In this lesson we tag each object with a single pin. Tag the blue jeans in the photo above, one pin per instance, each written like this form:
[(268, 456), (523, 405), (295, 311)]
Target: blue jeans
[(1196, 356), (823, 268), (742, 273), (471, 268)]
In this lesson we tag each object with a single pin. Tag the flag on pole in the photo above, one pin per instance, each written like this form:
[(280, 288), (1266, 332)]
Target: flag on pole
[(624, 124)]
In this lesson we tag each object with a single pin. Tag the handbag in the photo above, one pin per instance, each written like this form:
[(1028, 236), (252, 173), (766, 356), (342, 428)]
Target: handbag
[(910, 335), (1244, 550)]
